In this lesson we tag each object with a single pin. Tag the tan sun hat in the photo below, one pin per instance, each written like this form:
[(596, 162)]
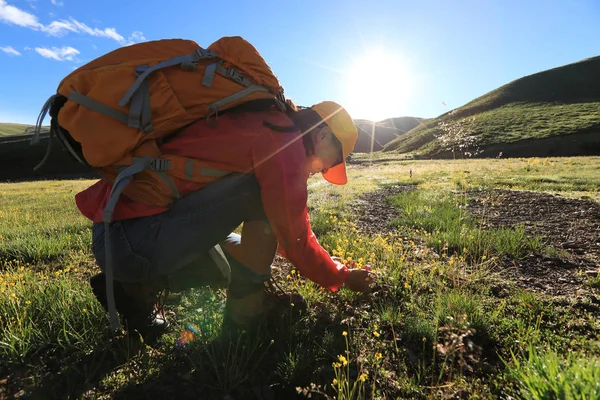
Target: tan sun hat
[(342, 126)]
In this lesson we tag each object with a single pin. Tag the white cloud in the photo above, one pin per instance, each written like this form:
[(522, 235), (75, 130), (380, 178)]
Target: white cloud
[(67, 53), (136, 37), (62, 27), (13, 15), (10, 50), (57, 3)]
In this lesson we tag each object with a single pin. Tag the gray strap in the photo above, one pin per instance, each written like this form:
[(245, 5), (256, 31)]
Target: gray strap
[(110, 290), (189, 168), (170, 183), (94, 105), (140, 112), (234, 74), (217, 255), (186, 58), (35, 139), (123, 179), (237, 96), (67, 145), (209, 74), (201, 53)]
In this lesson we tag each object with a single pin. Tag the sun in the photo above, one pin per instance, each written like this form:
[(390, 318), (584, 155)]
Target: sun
[(377, 85)]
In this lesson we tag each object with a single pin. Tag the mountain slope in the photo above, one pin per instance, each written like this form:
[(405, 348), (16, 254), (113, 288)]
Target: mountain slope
[(383, 132), (558, 102), (8, 129)]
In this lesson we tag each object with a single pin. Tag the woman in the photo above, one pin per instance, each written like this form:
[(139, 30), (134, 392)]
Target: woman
[(261, 160)]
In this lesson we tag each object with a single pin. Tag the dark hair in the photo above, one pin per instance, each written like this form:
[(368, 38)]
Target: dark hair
[(308, 122)]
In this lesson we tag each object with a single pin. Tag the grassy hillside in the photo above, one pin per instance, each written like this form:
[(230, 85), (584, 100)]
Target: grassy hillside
[(10, 129), (7, 129), (559, 101)]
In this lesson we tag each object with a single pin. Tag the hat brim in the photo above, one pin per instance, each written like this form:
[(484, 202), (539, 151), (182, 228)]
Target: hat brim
[(337, 175)]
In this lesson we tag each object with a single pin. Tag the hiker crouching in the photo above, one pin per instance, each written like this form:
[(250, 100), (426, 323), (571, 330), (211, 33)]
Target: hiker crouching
[(257, 166)]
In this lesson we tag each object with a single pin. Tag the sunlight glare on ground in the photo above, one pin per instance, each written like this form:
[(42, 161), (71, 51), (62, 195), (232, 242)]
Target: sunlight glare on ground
[(377, 84)]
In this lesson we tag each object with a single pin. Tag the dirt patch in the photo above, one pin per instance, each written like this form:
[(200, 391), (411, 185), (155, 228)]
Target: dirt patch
[(374, 213), (570, 226)]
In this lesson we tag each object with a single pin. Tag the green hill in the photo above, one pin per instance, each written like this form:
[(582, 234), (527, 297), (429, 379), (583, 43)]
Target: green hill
[(382, 131), (550, 112), (7, 129)]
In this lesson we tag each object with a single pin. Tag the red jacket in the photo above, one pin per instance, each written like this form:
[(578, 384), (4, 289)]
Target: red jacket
[(242, 143)]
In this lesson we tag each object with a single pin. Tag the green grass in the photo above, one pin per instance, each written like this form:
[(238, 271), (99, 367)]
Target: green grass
[(448, 228), (549, 375), (43, 312), (432, 329), (41, 222)]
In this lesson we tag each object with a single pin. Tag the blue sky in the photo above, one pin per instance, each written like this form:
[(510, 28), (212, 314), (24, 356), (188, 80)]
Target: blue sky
[(380, 59)]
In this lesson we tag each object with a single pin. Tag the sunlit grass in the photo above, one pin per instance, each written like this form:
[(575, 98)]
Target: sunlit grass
[(436, 268)]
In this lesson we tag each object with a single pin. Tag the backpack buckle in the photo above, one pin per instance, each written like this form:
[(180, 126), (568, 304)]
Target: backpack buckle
[(160, 164)]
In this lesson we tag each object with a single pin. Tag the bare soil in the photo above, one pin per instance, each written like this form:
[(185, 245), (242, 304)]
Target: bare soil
[(570, 226)]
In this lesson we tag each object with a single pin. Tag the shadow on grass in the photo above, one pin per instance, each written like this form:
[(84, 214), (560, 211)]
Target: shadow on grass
[(80, 375)]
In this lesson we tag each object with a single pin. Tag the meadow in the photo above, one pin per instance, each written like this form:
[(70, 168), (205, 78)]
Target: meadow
[(474, 298)]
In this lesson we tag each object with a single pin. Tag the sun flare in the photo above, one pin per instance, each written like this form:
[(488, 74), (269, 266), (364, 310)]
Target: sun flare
[(377, 85)]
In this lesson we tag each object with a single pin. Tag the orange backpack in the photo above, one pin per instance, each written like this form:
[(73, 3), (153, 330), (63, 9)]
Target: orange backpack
[(112, 112)]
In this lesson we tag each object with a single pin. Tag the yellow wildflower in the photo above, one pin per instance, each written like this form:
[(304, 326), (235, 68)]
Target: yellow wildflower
[(375, 333), (343, 360), (344, 333), (378, 356), (363, 377)]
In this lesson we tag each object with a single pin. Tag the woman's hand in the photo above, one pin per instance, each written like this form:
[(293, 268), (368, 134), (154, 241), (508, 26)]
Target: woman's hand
[(359, 279)]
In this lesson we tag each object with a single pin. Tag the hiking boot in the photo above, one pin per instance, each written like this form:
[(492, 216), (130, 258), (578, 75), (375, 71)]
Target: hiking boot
[(145, 313), (137, 303)]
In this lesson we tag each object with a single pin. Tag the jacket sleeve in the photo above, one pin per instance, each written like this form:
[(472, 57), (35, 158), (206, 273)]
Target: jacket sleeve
[(279, 165)]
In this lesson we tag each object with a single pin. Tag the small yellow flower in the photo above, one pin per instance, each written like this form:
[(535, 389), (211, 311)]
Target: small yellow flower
[(336, 365), (84, 310), (375, 333), (378, 356), (362, 377), (343, 360), (344, 333), (272, 341), (27, 302), (335, 381)]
